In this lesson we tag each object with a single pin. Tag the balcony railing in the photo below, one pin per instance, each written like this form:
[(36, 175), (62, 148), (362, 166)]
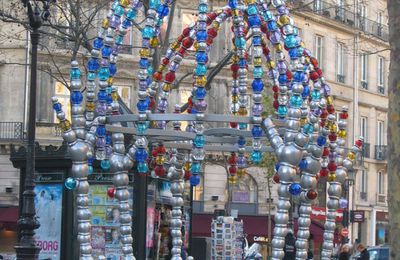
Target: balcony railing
[(343, 15), (340, 78), (381, 89), (363, 195), (11, 131), (364, 84), (380, 152), (366, 150)]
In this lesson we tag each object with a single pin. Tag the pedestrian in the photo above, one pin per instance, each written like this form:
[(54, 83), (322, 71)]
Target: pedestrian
[(290, 246), (364, 253), (344, 253)]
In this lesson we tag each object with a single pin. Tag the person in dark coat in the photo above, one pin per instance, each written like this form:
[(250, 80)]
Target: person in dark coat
[(290, 246), (364, 253), (344, 253)]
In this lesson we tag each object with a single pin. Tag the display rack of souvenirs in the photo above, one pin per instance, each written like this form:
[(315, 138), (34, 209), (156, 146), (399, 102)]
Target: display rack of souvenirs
[(226, 239)]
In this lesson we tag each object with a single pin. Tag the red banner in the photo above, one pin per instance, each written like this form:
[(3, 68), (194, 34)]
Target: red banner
[(319, 213)]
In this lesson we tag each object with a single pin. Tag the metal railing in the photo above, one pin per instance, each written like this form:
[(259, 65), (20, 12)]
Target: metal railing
[(381, 89), (343, 15), (380, 152), (366, 150), (11, 131)]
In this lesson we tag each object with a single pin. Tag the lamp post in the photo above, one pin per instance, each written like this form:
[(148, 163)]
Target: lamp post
[(26, 247)]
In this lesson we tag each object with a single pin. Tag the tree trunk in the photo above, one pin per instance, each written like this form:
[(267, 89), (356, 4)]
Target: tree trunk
[(394, 128)]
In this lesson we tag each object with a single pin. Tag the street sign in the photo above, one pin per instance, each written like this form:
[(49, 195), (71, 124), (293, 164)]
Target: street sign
[(344, 232), (357, 216)]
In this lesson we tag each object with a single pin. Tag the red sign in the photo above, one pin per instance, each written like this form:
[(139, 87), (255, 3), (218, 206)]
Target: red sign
[(319, 213), (344, 232)]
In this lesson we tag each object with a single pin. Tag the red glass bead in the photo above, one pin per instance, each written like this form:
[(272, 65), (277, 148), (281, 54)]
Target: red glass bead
[(314, 75), (212, 32), (152, 103), (232, 159), (324, 113), (187, 43), (332, 166), (182, 51), (266, 51), (322, 123), (209, 41), (157, 76), (359, 143), (319, 71), (234, 67), (276, 95), (289, 75), (188, 174), (275, 88), (276, 104), (276, 178), (186, 32), (323, 172), (264, 28), (246, 56), (314, 62), (233, 124), (344, 115), (165, 61), (190, 101), (159, 171), (232, 170), (325, 152), (111, 192), (170, 77), (161, 149), (331, 109), (332, 137), (312, 194), (154, 153)]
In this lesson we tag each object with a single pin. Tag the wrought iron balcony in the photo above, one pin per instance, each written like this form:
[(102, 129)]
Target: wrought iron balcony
[(340, 78), (343, 15), (364, 84), (11, 131), (366, 150), (381, 89), (380, 152)]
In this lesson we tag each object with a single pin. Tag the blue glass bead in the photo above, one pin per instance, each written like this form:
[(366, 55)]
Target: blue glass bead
[(154, 4), (201, 93), (113, 69), (98, 43), (201, 36), (106, 51), (199, 141), (131, 14), (291, 41), (76, 97), (242, 126), (257, 40), (109, 99), (57, 107), (251, 10), (102, 95), (148, 32), (201, 57), (142, 105), (109, 89), (268, 16), (195, 167), (150, 71), (115, 5), (282, 79), (119, 39), (104, 73), (293, 53), (140, 155), (240, 42), (101, 130), (70, 183), (119, 10), (254, 20), (271, 25), (75, 73), (163, 10), (193, 111), (242, 63), (142, 167), (295, 189), (303, 164), (258, 72), (148, 81), (90, 169), (232, 4), (201, 70), (296, 101), (91, 76), (108, 139), (300, 51), (257, 85), (256, 157), (282, 111), (306, 91), (241, 141), (141, 129), (144, 63), (203, 8), (316, 94), (277, 166), (321, 141), (93, 64), (308, 128), (194, 180), (298, 76), (105, 165), (256, 131)]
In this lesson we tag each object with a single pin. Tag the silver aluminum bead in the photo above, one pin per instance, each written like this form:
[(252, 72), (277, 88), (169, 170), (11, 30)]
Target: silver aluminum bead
[(83, 214), (125, 230), (80, 170), (122, 195), (332, 204), (82, 187)]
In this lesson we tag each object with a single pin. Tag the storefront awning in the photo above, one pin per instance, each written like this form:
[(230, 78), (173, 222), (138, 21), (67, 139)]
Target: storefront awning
[(9, 217)]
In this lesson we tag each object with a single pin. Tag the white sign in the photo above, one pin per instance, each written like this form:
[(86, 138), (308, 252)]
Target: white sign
[(48, 203)]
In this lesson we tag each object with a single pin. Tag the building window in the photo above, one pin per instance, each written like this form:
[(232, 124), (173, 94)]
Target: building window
[(364, 128), (319, 49), (379, 140), (61, 92), (340, 75), (364, 70), (245, 191), (380, 22), (381, 183), (362, 14), (125, 93), (317, 5), (381, 75), (340, 10), (364, 180), (198, 190)]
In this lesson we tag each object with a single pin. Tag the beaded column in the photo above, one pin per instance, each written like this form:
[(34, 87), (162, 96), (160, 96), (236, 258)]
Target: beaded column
[(177, 186)]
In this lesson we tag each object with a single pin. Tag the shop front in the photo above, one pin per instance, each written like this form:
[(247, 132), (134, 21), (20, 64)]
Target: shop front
[(382, 228), (8, 230)]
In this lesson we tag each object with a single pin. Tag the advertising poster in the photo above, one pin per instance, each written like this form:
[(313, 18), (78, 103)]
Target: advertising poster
[(150, 227), (48, 203)]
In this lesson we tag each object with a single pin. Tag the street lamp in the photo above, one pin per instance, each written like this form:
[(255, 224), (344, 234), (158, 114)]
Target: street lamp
[(26, 248)]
